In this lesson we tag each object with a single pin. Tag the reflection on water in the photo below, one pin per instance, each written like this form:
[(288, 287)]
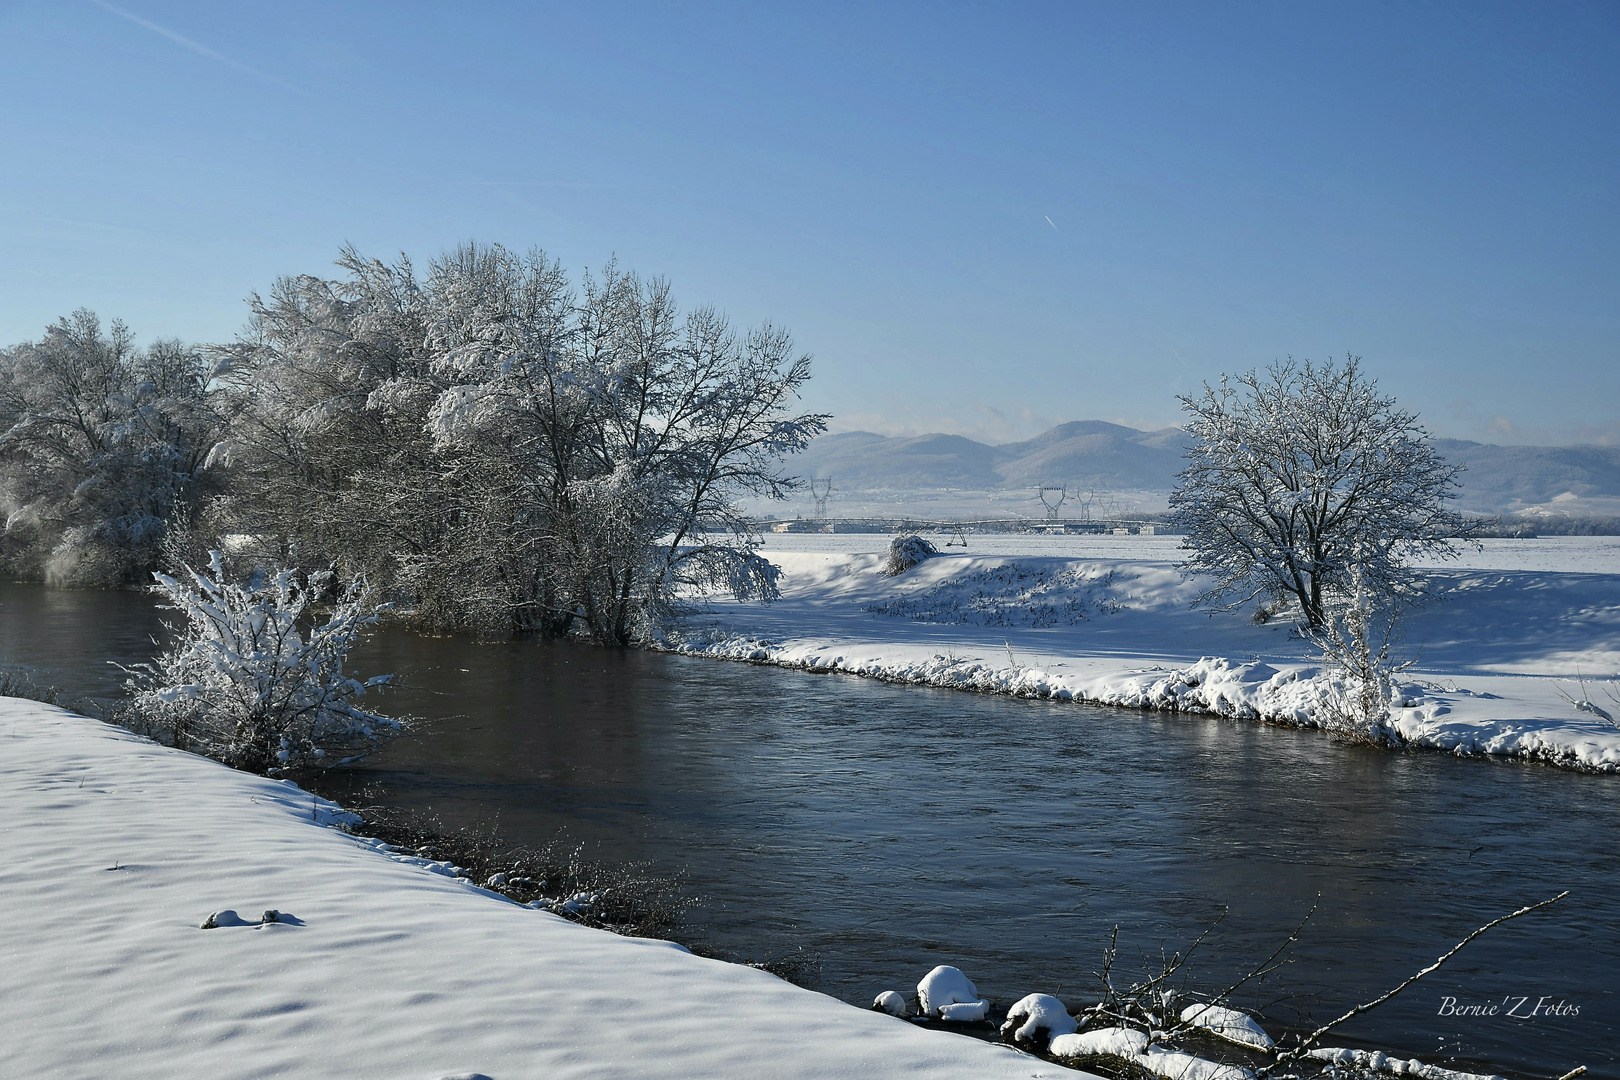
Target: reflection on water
[(895, 828)]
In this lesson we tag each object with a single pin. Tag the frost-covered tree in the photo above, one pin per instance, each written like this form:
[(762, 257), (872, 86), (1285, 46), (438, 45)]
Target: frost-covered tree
[(252, 682), (634, 429), (1302, 472), (102, 444), (320, 472), (506, 451)]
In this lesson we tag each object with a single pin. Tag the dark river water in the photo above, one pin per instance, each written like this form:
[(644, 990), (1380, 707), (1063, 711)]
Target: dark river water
[(889, 829)]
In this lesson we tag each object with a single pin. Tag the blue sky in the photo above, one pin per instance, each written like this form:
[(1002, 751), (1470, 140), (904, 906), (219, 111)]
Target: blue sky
[(982, 219)]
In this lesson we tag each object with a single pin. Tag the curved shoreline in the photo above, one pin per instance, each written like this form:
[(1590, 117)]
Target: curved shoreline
[(1170, 691), (376, 964)]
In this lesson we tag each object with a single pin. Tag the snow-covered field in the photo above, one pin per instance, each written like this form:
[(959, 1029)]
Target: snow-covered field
[(1107, 619), (380, 965), (1558, 554)]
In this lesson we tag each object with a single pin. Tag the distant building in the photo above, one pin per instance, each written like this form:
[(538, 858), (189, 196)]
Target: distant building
[(1122, 532), (1146, 530), (795, 526)]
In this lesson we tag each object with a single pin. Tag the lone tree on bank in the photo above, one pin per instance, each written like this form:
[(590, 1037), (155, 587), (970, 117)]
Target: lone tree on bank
[(1301, 473)]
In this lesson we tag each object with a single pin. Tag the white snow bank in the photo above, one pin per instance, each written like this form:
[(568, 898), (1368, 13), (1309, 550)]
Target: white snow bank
[(1037, 1013), (1378, 1061), (1496, 657), (1229, 1024), (378, 966)]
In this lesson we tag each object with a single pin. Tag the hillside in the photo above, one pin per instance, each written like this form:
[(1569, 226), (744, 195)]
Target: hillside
[(1087, 454)]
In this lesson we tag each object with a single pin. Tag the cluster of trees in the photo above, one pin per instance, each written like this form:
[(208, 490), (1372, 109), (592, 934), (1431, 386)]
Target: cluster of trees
[(486, 443), (102, 445)]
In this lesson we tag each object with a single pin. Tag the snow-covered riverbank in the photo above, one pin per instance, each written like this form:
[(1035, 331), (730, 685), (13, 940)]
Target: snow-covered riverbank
[(1494, 660), (117, 850)]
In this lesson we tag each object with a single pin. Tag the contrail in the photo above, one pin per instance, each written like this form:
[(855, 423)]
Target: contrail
[(1054, 227), (196, 46)]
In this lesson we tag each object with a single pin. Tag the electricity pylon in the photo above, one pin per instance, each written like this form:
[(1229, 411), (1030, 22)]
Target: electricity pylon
[(819, 490), (1046, 498)]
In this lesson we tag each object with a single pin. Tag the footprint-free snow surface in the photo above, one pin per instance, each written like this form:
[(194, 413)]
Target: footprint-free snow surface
[(117, 852)]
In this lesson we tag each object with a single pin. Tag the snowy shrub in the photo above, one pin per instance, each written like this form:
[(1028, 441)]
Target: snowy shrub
[(1356, 637), (1581, 699), (906, 552), (244, 684)]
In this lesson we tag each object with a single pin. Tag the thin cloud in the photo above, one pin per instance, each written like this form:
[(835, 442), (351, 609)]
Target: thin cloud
[(1054, 226), (196, 46)]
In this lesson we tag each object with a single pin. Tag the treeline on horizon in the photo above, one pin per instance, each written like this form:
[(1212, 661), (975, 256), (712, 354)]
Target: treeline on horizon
[(488, 444)]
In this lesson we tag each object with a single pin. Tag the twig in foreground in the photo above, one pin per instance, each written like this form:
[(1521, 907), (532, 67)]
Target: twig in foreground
[(1304, 1047)]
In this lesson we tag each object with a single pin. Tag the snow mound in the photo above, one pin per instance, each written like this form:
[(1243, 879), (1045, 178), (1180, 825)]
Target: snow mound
[(891, 1002), (1120, 1042), (1378, 1061), (1229, 1024), (944, 987), (1037, 1015), (965, 1012)]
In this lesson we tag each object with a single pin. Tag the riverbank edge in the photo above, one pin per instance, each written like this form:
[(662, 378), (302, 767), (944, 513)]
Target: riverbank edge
[(1142, 691), (119, 846)]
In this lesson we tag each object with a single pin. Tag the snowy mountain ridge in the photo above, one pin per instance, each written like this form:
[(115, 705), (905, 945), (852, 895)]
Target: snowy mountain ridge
[(1112, 457)]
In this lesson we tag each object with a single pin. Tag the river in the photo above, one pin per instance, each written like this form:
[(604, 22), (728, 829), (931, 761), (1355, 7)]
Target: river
[(889, 829)]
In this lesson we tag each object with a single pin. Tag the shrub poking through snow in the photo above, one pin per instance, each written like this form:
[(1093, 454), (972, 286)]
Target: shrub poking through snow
[(906, 552), (1037, 1019), (19, 684), (244, 684), (947, 994), (633, 899)]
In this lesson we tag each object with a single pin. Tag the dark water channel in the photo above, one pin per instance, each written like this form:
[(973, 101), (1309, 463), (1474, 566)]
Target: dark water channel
[(890, 829)]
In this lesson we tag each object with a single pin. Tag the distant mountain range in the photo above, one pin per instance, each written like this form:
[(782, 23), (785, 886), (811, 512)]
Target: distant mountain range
[(1093, 454)]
